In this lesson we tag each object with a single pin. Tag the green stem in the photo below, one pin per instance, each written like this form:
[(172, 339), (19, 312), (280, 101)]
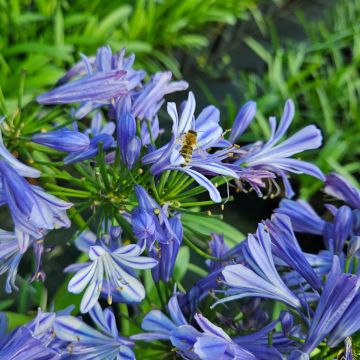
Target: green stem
[(77, 218), (153, 188), (124, 318), (163, 180), (103, 172), (163, 305)]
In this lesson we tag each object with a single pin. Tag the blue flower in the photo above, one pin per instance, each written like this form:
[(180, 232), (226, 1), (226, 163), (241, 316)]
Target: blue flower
[(10, 256), (276, 158), (18, 166), (63, 139), (262, 278), (348, 324), (97, 87), (88, 343), (148, 100), (158, 325), (209, 134), (151, 223), (213, 343), (242, 120), (99, 133), (33, 211), (3, 325), (117, 265), (21, 345), (335, 234), (129, 143), (106, 140), (13, 246), (286, 247), (218, 249), (303, 217), (34, 340), (340, 188), (339, 291), (166, 254), (258, 341)]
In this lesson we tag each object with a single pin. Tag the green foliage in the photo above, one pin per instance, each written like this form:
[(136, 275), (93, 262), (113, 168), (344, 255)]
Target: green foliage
[(321, 74), (40, 37)]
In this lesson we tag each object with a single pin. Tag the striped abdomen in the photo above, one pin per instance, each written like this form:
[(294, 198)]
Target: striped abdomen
[(186, 152)]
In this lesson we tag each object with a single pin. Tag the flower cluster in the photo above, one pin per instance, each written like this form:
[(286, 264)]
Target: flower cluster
[(130, 187)]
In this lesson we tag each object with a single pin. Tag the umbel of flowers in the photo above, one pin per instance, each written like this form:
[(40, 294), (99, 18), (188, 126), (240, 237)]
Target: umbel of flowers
[(130, 187)]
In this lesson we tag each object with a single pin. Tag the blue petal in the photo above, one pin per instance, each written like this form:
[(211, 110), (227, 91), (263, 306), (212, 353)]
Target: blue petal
[(242, 120), (96, 87), (204, 182), (156, 321)]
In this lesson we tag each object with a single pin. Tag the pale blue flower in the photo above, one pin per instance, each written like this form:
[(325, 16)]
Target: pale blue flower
[(86, 343), (112, 269)]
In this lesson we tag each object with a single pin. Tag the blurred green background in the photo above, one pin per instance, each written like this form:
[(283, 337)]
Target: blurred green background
[(230, 51)]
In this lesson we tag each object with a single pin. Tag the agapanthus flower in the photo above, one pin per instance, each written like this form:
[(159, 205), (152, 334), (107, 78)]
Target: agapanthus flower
[(218, 249), (10, 256), (104, 78), (99, 87), (33, 211), (286, 247), (261, 278), (13, 246), (151, 223), (96, 134), (242, 120), (3, 324), (348, 324), (18, 166), (339, 291), (212, 343), (209, 133), (148, 100), (35, 340), (116, 264), (158, 325), (63, 139), (275, 157), (258, 342), (84, 342), (21, 345), (344, 228), (303, 217), (340, 188), (129, 143)]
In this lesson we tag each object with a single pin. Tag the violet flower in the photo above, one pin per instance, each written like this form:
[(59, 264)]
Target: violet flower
[(261, 279), (242, 120), (151, 223), (63, 139), (276, 158), (117, 264), (33, 211), (340, 188), (86, 343), (129, 143), (339, 291), (286, 247), (99, 87), (209, 134)]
